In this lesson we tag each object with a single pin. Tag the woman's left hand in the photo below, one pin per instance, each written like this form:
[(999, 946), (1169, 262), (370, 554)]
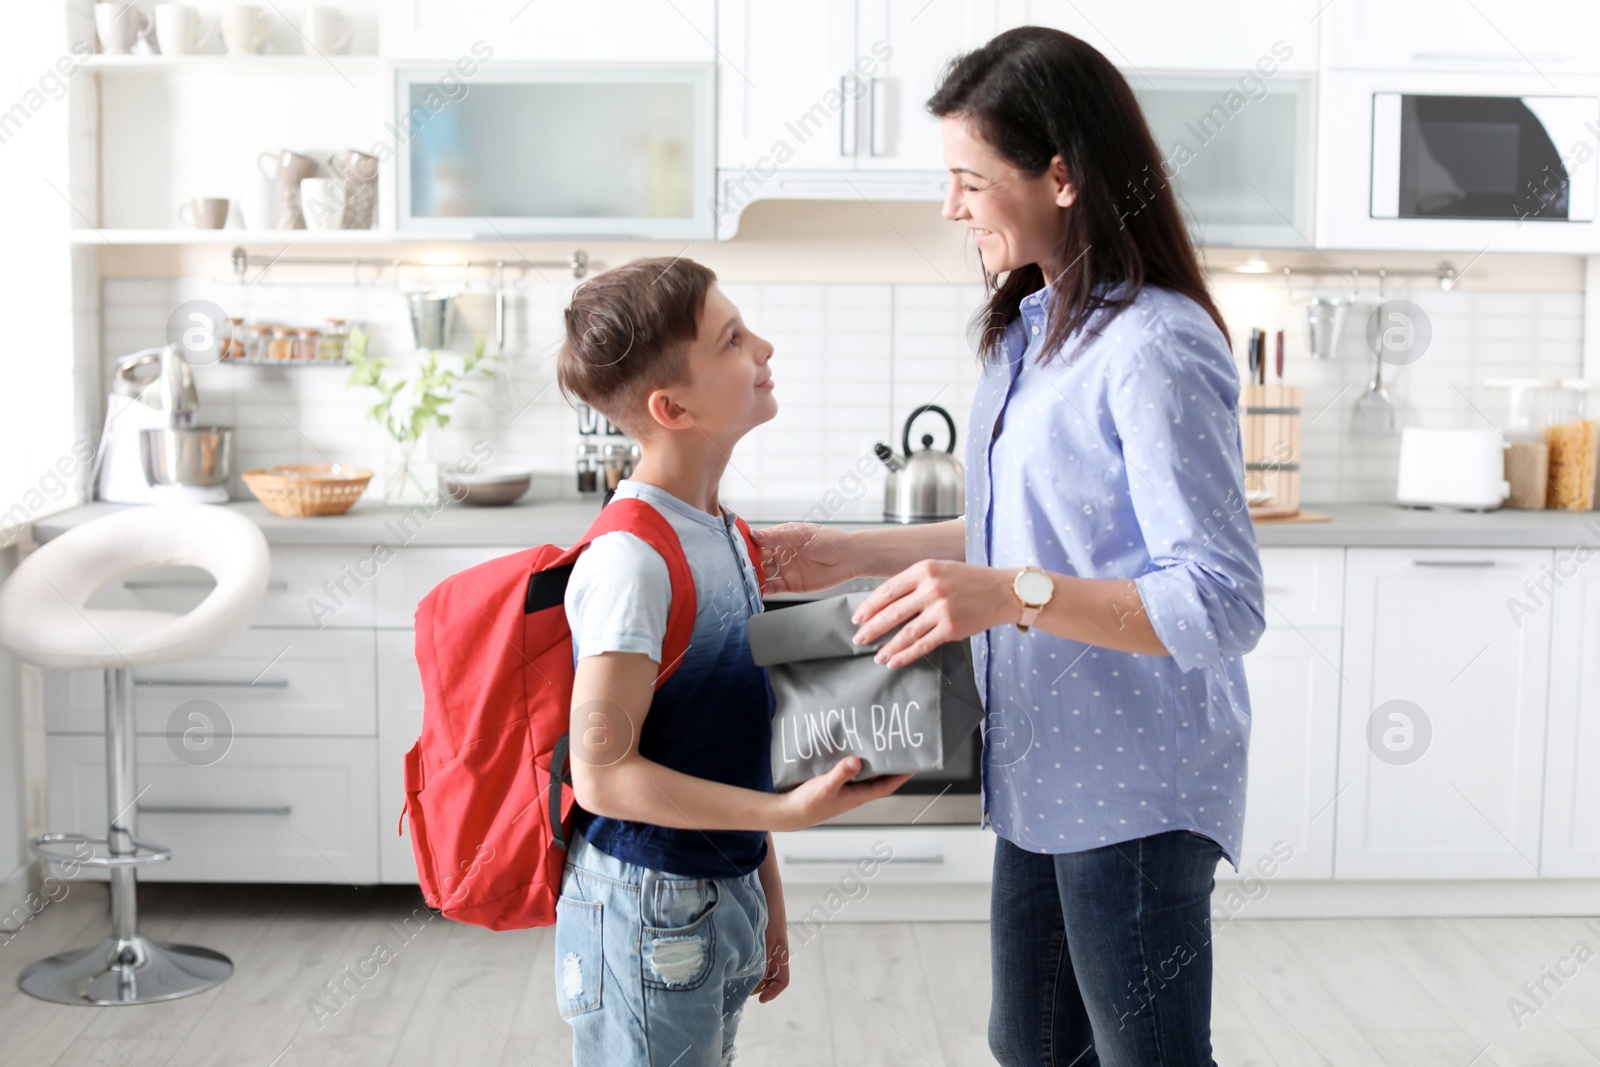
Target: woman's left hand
[(937, 601)]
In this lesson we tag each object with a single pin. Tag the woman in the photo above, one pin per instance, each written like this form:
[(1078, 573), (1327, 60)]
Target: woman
[(1104, 450)]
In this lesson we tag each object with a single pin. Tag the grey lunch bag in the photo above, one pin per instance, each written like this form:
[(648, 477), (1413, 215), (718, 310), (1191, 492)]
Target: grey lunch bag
[(835, 700)]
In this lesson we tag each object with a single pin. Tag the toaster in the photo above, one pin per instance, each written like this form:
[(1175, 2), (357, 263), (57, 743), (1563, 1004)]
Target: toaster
[(1452, 469)]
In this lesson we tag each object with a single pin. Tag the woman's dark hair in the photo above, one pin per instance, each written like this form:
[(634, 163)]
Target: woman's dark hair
[(1033, 93)]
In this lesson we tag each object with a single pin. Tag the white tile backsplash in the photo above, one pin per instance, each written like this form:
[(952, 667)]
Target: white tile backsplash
[(851, 362)]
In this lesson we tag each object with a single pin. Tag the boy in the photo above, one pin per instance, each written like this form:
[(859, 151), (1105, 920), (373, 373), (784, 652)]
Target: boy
[(671, 912)]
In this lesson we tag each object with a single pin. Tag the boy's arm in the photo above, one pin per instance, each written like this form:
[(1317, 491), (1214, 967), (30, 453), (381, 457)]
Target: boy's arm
[(610, 699), (776, 978)]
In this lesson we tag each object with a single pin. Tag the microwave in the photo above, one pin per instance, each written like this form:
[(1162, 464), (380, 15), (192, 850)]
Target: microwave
[(557, 150), (1523, 159)]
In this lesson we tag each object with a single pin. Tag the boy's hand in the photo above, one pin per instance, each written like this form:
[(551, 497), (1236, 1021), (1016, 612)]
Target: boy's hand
[(776, 978), (834, 793), (801, 557)]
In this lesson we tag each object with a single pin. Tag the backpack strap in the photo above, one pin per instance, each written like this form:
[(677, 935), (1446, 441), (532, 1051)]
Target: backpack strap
[(641, 519), (755, 553)]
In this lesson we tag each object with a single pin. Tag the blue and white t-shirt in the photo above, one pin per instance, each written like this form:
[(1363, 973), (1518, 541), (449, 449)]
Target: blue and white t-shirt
[(713, 717)]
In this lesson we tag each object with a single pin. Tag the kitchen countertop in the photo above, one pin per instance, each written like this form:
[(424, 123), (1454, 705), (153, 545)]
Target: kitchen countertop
[(562, 522)]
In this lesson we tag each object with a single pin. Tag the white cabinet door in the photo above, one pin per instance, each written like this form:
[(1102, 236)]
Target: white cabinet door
[(1222, 35), (918, 39), (1572, 788), (1463, 35), (412, 573), (299, 682), (269, 809), (399, 725), (593, 31), (1303, 586), (1442, 720), (780, 72), (1293, 676)]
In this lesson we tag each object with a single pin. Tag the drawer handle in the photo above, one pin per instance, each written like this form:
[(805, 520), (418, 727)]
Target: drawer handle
[(1275, 589), (208, 809), (1454, 562), (935, 858), (276, 585), (206, 683)]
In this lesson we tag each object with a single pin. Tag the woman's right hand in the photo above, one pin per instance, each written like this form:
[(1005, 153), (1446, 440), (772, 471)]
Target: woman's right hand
[(833, 793), (801, 557)]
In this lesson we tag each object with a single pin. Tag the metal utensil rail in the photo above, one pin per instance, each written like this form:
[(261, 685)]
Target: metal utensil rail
[(577, 263)]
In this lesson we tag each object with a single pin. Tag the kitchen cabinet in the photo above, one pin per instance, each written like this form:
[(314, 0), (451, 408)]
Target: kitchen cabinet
[(1442, 716), (782, 70), (1470, 36), (895, 131), (594, 31), (272, 809), (1572, 789), (400, 701), (1218, 35), (1293, 675), (1239, 153)]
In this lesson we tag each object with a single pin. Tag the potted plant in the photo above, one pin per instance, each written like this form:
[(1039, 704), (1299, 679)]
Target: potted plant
[(410, 406)]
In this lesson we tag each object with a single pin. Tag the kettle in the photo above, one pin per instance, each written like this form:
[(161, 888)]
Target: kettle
[(924, 486)]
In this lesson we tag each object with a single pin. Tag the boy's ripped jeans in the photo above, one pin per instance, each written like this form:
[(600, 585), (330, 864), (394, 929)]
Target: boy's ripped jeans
[(654, 968)]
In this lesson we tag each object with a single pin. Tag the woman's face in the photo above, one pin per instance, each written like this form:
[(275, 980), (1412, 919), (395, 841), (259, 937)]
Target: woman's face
[(1015, 220)]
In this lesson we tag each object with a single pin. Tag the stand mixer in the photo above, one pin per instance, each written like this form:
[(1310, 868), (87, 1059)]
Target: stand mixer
[(150, 451)]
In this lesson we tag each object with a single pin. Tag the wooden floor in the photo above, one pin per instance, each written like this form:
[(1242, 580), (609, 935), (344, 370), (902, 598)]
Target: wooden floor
[(1404, 993)]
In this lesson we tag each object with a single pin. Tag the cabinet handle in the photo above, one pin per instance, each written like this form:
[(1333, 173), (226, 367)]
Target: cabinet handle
[(276, 585), (1454, 562), (209, 809), (877, 131), (935, 858), (847, 116), (206, 683)]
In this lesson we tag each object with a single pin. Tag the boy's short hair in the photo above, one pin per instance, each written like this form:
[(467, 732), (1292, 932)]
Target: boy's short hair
[(628, 332)]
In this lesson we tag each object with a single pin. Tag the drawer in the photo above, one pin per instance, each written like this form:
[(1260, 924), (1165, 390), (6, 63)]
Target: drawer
[(399, 725), (901, 854), (1303, 586), (413, 573), (272, 809), (307, 587), (263, 681)]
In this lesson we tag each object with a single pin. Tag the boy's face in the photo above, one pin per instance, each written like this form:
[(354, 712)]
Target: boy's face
[(730, 388)]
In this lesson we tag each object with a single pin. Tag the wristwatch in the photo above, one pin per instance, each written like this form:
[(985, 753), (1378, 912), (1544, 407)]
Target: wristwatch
[(1034, 588)]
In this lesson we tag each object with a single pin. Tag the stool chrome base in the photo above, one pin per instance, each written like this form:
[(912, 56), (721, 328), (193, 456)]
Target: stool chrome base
[(134, 970)]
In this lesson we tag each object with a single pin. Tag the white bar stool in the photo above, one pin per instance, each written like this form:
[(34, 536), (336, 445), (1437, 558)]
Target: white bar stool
[(43, 620)]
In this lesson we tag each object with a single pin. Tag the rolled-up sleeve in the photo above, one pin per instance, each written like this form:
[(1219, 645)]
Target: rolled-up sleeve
[(1174, 402)]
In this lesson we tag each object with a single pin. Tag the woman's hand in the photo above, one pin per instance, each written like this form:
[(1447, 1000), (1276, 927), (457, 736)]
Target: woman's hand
[(933, 602), (776, 977), (799, 557), (833, 793)]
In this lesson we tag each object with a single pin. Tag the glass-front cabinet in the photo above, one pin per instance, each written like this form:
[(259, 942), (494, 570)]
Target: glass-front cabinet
[(544, 150), (1238, 150)]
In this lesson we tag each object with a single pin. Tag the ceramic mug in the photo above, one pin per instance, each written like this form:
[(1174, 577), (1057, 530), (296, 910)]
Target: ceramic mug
[(353, 166), (286, 166), (178, 29), (326, 31), (322, 200), (119, 26), (245, 28), (204, 212)]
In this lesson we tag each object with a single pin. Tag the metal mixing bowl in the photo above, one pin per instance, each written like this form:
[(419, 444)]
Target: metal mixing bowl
[(187, 455)]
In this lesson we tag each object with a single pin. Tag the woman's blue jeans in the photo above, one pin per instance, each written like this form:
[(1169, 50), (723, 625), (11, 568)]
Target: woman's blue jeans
[(1103, 956)]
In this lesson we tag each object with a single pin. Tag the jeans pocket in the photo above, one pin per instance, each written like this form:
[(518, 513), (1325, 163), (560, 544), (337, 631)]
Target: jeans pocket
[(578, 955), (679, 944)]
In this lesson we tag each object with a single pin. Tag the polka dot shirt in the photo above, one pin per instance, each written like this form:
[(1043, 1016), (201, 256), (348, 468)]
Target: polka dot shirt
[(1120, 458)]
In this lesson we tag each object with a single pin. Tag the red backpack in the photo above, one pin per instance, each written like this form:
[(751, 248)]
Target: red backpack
[(484, 783)]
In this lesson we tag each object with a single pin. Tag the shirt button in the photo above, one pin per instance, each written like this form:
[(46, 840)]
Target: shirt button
[(1036, 331)]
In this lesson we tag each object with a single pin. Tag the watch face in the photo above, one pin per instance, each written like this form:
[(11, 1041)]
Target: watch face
[(1033, 587)]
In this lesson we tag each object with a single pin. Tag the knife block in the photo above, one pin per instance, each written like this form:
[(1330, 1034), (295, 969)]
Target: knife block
[(1269, 425)]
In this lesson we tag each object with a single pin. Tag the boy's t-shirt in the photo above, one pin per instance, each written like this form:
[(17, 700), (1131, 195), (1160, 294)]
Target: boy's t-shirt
[(713, 717)]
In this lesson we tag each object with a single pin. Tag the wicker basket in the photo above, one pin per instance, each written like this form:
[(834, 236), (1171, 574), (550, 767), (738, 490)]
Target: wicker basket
[(304, 489)]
